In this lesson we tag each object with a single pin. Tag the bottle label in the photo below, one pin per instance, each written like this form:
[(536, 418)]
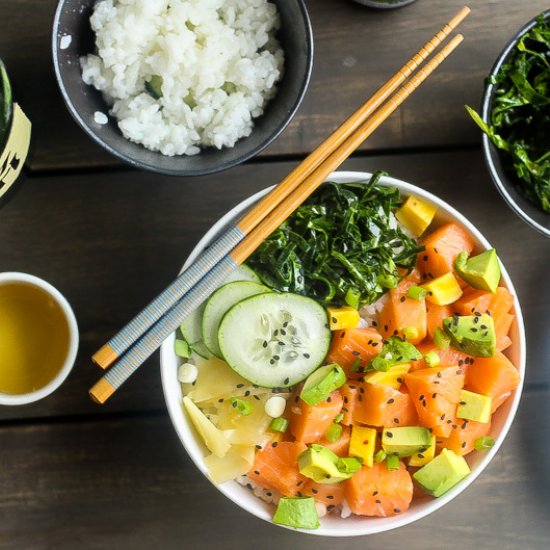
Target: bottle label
[(15, 152)]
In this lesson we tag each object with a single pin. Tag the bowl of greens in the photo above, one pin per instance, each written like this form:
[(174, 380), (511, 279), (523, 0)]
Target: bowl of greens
[(515, 120), (297, 436)]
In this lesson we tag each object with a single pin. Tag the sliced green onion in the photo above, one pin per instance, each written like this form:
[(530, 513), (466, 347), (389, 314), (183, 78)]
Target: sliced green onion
[(349, 465), (352, 297), (355, 365), (483, 443), (182, 349), (441, 339), (416, 292), (339, 418), (432, 359), (379, 456), (243, 407), (392, 462), (279, 425), (387, 281), (334, 433)]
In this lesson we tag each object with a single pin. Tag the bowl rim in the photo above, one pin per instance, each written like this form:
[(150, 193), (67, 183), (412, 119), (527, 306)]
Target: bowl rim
[(136, 163), (488, 148), (168, 360)]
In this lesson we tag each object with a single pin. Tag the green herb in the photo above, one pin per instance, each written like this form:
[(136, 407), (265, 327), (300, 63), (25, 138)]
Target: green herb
[(339, 418), (243, 407), (353, 295), (5, 102), (334, 433), (394, 352), (519, 121), (279, 424), (154, 86), (483, 443), (343, 237)]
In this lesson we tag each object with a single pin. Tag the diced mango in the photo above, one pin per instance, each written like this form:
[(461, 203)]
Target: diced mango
[(474, 406), (443, 290), (392, 377), (419, 459), (343, 317), (416, 215), (362, 443)]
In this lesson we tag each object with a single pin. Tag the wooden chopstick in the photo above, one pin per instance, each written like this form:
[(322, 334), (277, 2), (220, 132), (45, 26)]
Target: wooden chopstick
[(146, 345), (143, 321)]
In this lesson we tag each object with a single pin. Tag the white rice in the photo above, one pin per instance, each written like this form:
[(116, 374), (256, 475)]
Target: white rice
[(218, 60)]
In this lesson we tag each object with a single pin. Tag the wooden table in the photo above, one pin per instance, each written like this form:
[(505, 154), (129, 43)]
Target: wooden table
[(77, 475)]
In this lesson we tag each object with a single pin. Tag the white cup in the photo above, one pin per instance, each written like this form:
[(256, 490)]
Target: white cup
[(66, 367)]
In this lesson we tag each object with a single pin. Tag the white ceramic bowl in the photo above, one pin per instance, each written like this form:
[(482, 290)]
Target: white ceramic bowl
[(355, 525)]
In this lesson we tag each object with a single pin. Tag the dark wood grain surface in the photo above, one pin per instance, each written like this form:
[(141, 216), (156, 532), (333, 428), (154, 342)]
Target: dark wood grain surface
[(357, 49), (77, 475)]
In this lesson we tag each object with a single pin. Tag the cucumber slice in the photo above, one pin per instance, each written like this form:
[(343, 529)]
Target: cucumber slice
[(219, 303), (275, 340), (191, 328)]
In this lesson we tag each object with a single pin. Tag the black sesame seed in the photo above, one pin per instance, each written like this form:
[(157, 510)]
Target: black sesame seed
[(425, 257), (271, 362), (434, 395), (389, 434), (437, 382), (391, 400), (361, 390), (420, 455), (329, 399), (460, 362), (234, 404), (439, 374), (464, 444), (374, 344), (269, 493), (442, 416), (378, 501), (459, 371), (259, 447), (397, 510), (346, 400), (402, 299), (421, 398), (240, 385), (396, 420), (283, 332), (249, 486), (455, 426), (464, 425), (375, 493), (449, 421), (314, 491), (285, 324), (356, 353), (330, 497), (400, 380), (330, 507), (307, 355), (463, 403), (257, 397), (286, 381), (334, 320), (247, 393), (256, 472), (342, 334), (360, 397), (220, 400), (275, 332), (385, 328), (274, 444), (374, 324)]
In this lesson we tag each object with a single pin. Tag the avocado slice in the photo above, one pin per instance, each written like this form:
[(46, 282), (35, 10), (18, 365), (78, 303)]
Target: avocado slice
[(472, 334), (481, 271), (474, 406), (320, 464), (299, 512), (442, 473), (405, 441), (321, 383)]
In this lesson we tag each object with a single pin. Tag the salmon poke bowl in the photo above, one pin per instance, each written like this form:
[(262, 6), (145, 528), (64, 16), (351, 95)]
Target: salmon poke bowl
[(362, 368)]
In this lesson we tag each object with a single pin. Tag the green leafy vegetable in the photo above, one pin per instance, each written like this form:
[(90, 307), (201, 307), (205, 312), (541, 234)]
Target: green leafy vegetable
[(343, 242), (5, 102), (520, 116)]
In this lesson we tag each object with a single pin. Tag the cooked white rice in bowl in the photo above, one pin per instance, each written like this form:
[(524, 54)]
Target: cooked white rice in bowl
[(179, 75)]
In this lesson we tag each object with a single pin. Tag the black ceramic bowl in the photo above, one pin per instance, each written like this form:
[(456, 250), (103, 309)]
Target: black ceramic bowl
[(72, 18), (504, 181)]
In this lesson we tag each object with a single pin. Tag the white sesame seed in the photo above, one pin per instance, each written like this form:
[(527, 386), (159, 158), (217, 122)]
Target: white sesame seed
[(275, 406), (187, 373), (321, 509)]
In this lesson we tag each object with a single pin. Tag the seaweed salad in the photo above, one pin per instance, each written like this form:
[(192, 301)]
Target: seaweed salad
[(519, 121)]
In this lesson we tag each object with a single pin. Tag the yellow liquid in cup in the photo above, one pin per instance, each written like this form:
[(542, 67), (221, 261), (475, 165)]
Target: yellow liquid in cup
[(34, 338)]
